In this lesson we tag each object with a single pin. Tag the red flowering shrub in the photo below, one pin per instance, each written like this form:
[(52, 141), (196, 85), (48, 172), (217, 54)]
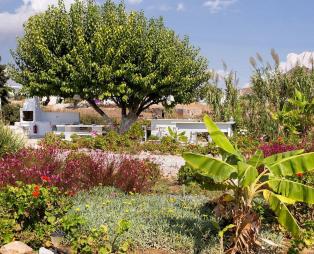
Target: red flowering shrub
[(29, 213), (274, 148), (76, 171), (135, 175), (29, 165), (84, 171), (36, 191)]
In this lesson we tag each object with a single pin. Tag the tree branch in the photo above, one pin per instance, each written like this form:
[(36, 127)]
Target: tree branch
[(93, 104), (144, 107)]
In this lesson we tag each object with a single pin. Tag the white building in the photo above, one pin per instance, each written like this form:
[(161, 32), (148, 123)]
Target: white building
[(36, 123), (159, 127)]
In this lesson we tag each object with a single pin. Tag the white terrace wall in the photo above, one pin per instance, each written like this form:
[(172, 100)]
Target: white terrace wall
[(159, 127), (56, 118)]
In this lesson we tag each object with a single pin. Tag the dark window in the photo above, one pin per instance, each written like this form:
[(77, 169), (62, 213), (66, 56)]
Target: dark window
[(28, 116)]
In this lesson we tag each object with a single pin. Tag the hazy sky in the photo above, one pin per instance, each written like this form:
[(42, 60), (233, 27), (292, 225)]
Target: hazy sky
[(229, 30)]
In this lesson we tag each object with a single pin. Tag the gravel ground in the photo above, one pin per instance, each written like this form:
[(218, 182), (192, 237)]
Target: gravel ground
[(169, 164)]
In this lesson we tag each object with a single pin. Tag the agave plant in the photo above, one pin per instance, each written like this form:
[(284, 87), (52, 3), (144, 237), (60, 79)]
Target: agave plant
[(246, 179), (177, 136)]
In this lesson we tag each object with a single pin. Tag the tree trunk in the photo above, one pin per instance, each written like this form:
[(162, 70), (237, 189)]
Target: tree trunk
[(46, 102), (127, 121), (101, 112)]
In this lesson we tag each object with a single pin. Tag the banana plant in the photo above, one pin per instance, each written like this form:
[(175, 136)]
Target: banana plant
[(270, 178), (177, 136), (297, 114)]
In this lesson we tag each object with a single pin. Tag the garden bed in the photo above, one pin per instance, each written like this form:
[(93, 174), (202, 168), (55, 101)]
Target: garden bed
[(169, 223)]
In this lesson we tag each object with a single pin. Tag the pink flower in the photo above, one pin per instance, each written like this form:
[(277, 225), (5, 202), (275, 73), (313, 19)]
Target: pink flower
[(94, 133)]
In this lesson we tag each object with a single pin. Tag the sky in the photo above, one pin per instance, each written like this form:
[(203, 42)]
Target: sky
[(224, 30)]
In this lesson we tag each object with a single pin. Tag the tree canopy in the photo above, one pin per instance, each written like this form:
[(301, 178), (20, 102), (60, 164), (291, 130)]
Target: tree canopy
[(4, 90), (104, 52)]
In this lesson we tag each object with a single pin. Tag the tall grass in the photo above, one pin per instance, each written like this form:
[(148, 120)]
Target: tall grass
[(9, 142)]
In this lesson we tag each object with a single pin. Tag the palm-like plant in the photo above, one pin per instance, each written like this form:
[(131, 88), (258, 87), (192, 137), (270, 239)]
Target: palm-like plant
[(177, 136), (296, 115), (269, 177)]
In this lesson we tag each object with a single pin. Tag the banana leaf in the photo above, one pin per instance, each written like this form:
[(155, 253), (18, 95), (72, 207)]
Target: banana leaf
[(219, 137), (214, 168), (257, 159), (247, 174), (292, 165), (293, 190), (279, 156), (285, 218)]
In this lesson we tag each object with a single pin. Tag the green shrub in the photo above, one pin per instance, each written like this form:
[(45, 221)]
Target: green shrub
[(115, 142), (52, 140), (32, 213), (83, 142), (130, 142), (186, 174), (245, 143), (153, 137), (136, 131), (10, 113), (93, 241), (9, 142), (29, 213)]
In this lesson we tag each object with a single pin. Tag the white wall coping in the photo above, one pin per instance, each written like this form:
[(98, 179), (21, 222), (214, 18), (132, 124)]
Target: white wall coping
[(79, 125)]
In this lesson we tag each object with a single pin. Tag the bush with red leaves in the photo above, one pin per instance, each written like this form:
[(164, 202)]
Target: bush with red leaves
[(133, 175), (77, 171), (274, 148)]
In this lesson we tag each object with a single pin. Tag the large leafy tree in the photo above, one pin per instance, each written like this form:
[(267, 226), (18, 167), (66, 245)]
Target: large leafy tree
[(104, 52), (4, 90)]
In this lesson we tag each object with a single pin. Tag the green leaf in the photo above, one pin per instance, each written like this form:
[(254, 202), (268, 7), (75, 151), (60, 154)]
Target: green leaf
[(279, 156), (219, 137), (123, 226), (257, 159), (183, 139), (293, 190), (292, 165), (104, 250), (285, 200), (51, 219), (171, 132), (212, 186), (216, 169), (285, 218), (247, 174)]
